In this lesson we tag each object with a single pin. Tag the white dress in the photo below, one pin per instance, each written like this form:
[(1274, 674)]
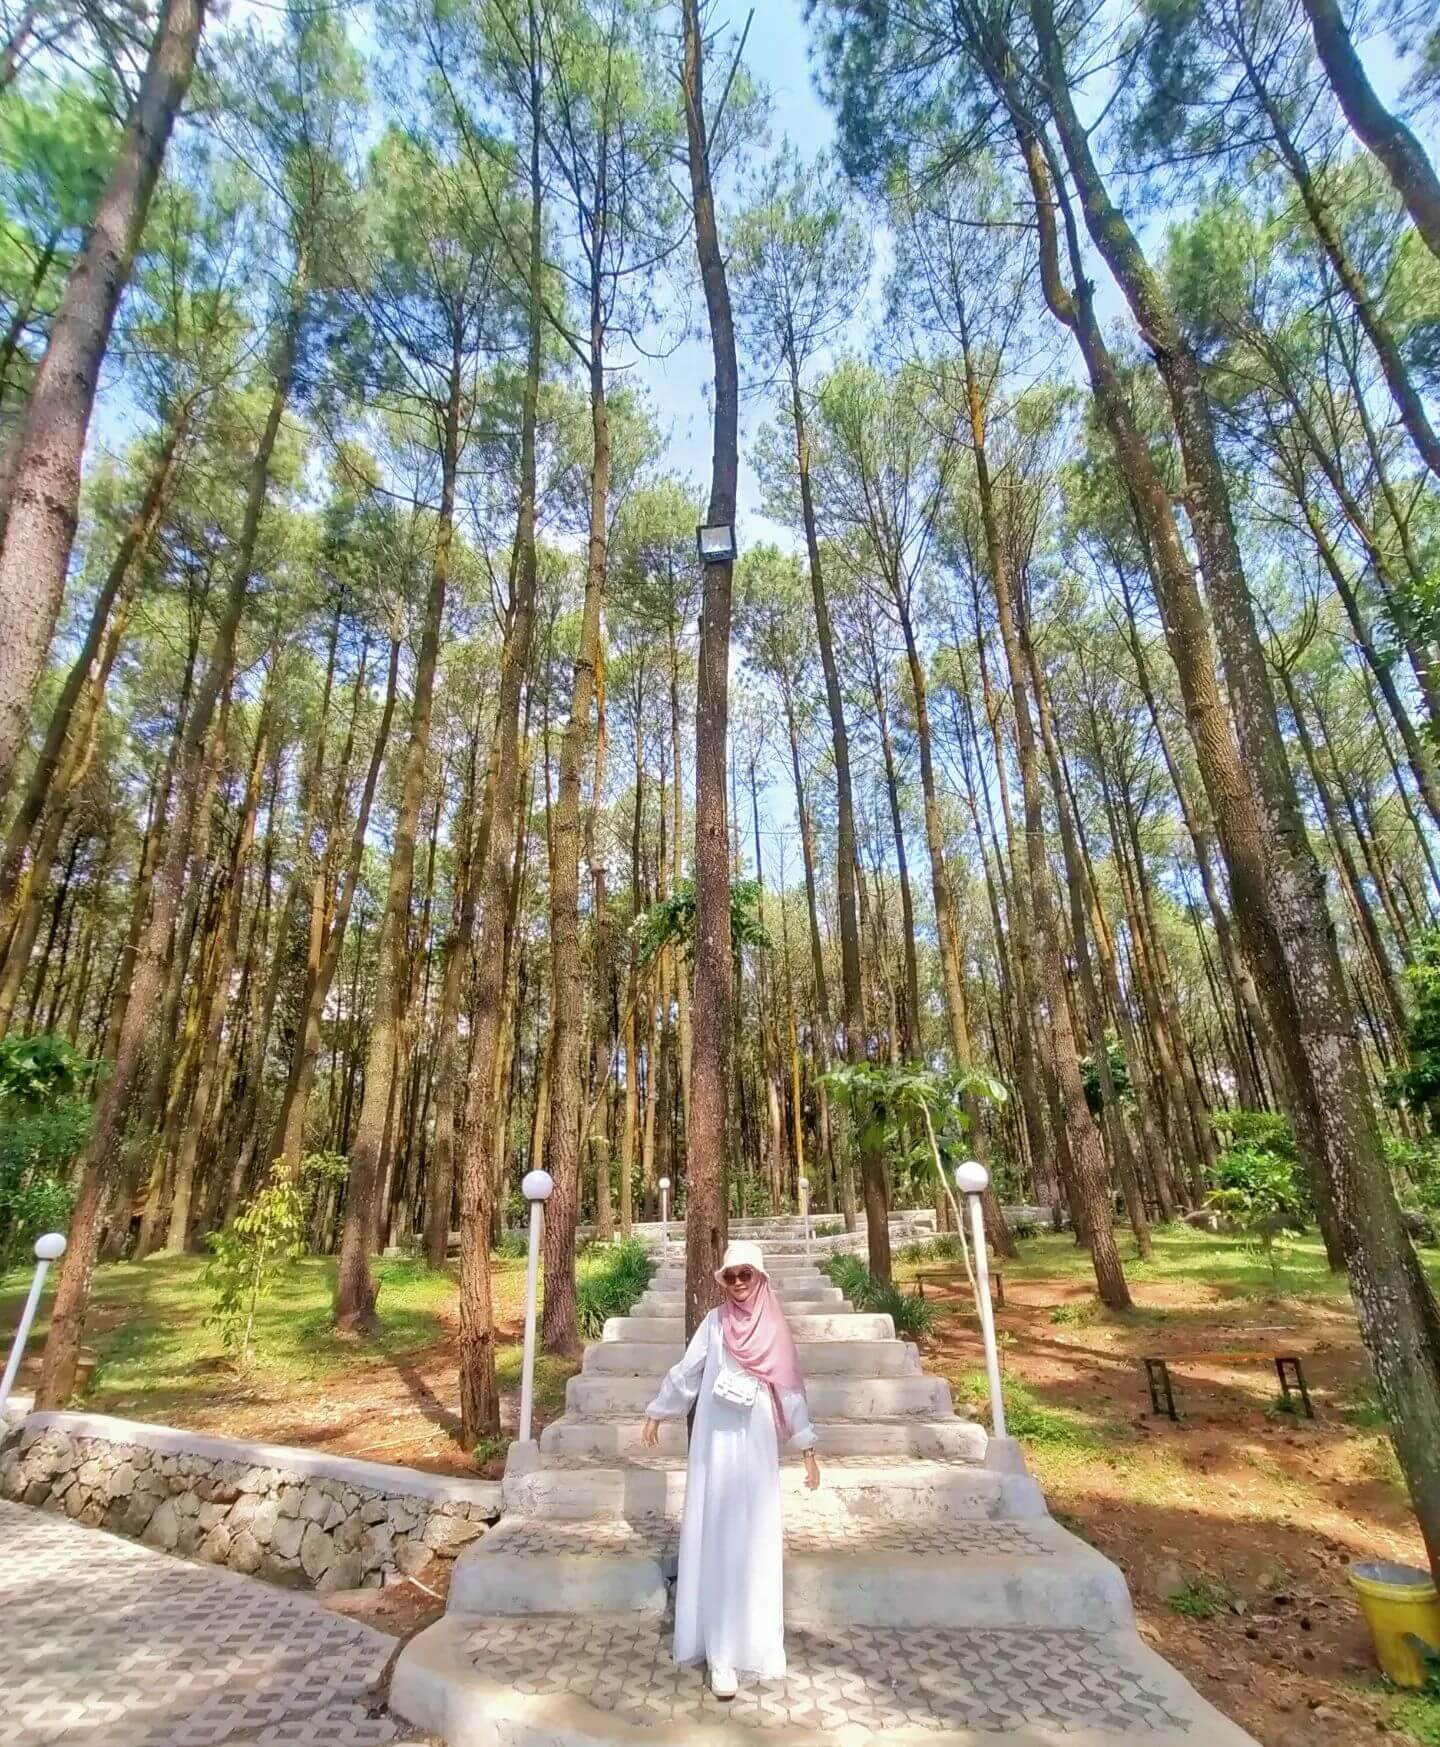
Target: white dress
[(729, 1595)]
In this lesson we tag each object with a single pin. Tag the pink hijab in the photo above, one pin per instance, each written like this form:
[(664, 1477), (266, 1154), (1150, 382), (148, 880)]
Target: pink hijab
[(757, 1336)]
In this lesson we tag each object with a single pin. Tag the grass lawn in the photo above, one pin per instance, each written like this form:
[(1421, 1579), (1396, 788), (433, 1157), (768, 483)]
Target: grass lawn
[(390, 1395), (1234, 1526)]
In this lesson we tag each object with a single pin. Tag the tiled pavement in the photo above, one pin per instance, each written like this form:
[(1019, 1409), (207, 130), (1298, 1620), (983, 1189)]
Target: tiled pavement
[(658, 1537), (107, 1644), (930, 1679)]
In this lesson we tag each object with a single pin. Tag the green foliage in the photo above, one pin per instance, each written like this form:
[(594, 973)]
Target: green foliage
[(749, 1197), (1254, 1131), (1055, 1428), (249, 1258), (319, 1170), (37, 1071), (830, 1228), (914, 1113), (1119, 1076), (1417, 1084), (1201, 1600), (514, 1245), (44, 1123), (673, 920), (912, 1315), (945, 1247), (1262, 1192), (608, 1282)]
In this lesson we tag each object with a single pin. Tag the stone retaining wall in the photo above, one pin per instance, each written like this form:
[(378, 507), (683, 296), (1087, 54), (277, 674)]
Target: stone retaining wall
[(295, 1516)]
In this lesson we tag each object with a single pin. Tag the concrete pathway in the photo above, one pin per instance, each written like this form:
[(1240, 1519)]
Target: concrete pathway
[(107, 1644), (930, 1599)]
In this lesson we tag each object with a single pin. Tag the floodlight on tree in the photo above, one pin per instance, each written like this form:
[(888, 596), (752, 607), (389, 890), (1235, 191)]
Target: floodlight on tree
[(715, 543)]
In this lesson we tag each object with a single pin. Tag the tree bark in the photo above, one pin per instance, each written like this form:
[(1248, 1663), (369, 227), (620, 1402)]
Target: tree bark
[(38, 511), (706, 1173), (98, 1167), (1385, 134), (354, 1285)]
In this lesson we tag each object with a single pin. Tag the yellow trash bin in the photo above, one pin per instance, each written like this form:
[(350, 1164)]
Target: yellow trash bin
[(1399, 1602)]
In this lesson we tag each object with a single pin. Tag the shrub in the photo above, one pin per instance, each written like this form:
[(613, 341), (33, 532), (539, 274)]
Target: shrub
[(912, 1315), (608, 1282), (831, 1228), (513, 1245), (44, 1125), (1261, 1131), (249, 1257), (851, 1275)]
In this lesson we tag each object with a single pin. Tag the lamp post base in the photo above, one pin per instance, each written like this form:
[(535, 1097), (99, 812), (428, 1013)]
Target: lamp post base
[(1005, 1455), (522, 1458)]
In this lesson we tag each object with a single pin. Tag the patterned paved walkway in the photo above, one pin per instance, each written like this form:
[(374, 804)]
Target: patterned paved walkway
[(928, 1678), (108, 1644)]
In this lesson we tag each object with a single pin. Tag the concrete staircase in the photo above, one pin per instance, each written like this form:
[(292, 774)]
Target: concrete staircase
[(915, 1559)]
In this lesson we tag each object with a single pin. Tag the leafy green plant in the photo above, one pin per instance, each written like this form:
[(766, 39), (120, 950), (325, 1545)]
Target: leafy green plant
[(1417, 1084), (38, 1070), (249, 1258), (830, 1228), (853, 1278), (1260, 1190), (916, 1116), (1201, 1600), (608, 1282), (913, 1316), (45, 1121), (1119, 1076), (513, 1245), (1077, 1315), (673, 920)]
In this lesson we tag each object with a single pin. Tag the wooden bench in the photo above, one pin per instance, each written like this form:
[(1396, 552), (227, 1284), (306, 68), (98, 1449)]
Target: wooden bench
[(1287, 1368)]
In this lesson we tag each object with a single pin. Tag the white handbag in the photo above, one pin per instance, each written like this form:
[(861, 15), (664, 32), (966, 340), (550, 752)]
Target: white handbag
[(737, 1388)]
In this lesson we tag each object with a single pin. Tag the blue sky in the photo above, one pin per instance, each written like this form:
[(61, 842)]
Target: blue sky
[(679, 385)]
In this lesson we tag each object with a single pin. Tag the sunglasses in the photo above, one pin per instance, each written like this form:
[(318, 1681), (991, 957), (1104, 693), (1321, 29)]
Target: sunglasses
[(738, 1276)]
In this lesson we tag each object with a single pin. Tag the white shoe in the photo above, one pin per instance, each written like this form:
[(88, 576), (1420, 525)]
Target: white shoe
[(723, 1682)]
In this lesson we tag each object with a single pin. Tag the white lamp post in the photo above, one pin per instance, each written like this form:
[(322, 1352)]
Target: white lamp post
[(664, 1215), (47, 1249), (536, 1188), (803, 1185), (972, 1180)]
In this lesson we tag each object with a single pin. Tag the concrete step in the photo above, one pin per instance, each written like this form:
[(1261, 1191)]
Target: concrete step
[(863, 1488), (890, 1439), (800, 1295), (598, 1680), (779, 1268), (840, 1398), (853, 1326), (979, 1573), (830, 1358)]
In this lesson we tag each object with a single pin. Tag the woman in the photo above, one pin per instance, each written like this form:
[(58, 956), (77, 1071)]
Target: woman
[(743, 1365)]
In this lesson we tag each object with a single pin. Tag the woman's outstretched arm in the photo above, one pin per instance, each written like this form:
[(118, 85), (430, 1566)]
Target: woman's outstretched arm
[(681, 1385), (802, 1433)]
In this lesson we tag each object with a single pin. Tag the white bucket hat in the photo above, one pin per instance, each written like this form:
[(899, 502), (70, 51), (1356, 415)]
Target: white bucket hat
[(742, 1255)]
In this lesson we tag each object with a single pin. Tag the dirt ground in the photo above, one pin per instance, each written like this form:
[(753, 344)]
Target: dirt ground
[(1234, 1526)]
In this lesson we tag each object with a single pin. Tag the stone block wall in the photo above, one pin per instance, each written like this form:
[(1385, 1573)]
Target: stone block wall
[(294, 1516)]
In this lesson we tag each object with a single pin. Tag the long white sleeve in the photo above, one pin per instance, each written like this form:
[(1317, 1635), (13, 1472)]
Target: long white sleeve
[(797, 1417), (682, 1381)]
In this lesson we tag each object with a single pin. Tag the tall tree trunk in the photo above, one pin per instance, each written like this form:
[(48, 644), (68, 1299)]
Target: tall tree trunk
[(706, 1173), (872, 1162), (1052, 1016), (354, 1285), (1385, 134), (289, 1141), (101, 1158), (479, 1392), (38, 510), (226, 929), (560, 1331), (1398, 1314), (91, 664)]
